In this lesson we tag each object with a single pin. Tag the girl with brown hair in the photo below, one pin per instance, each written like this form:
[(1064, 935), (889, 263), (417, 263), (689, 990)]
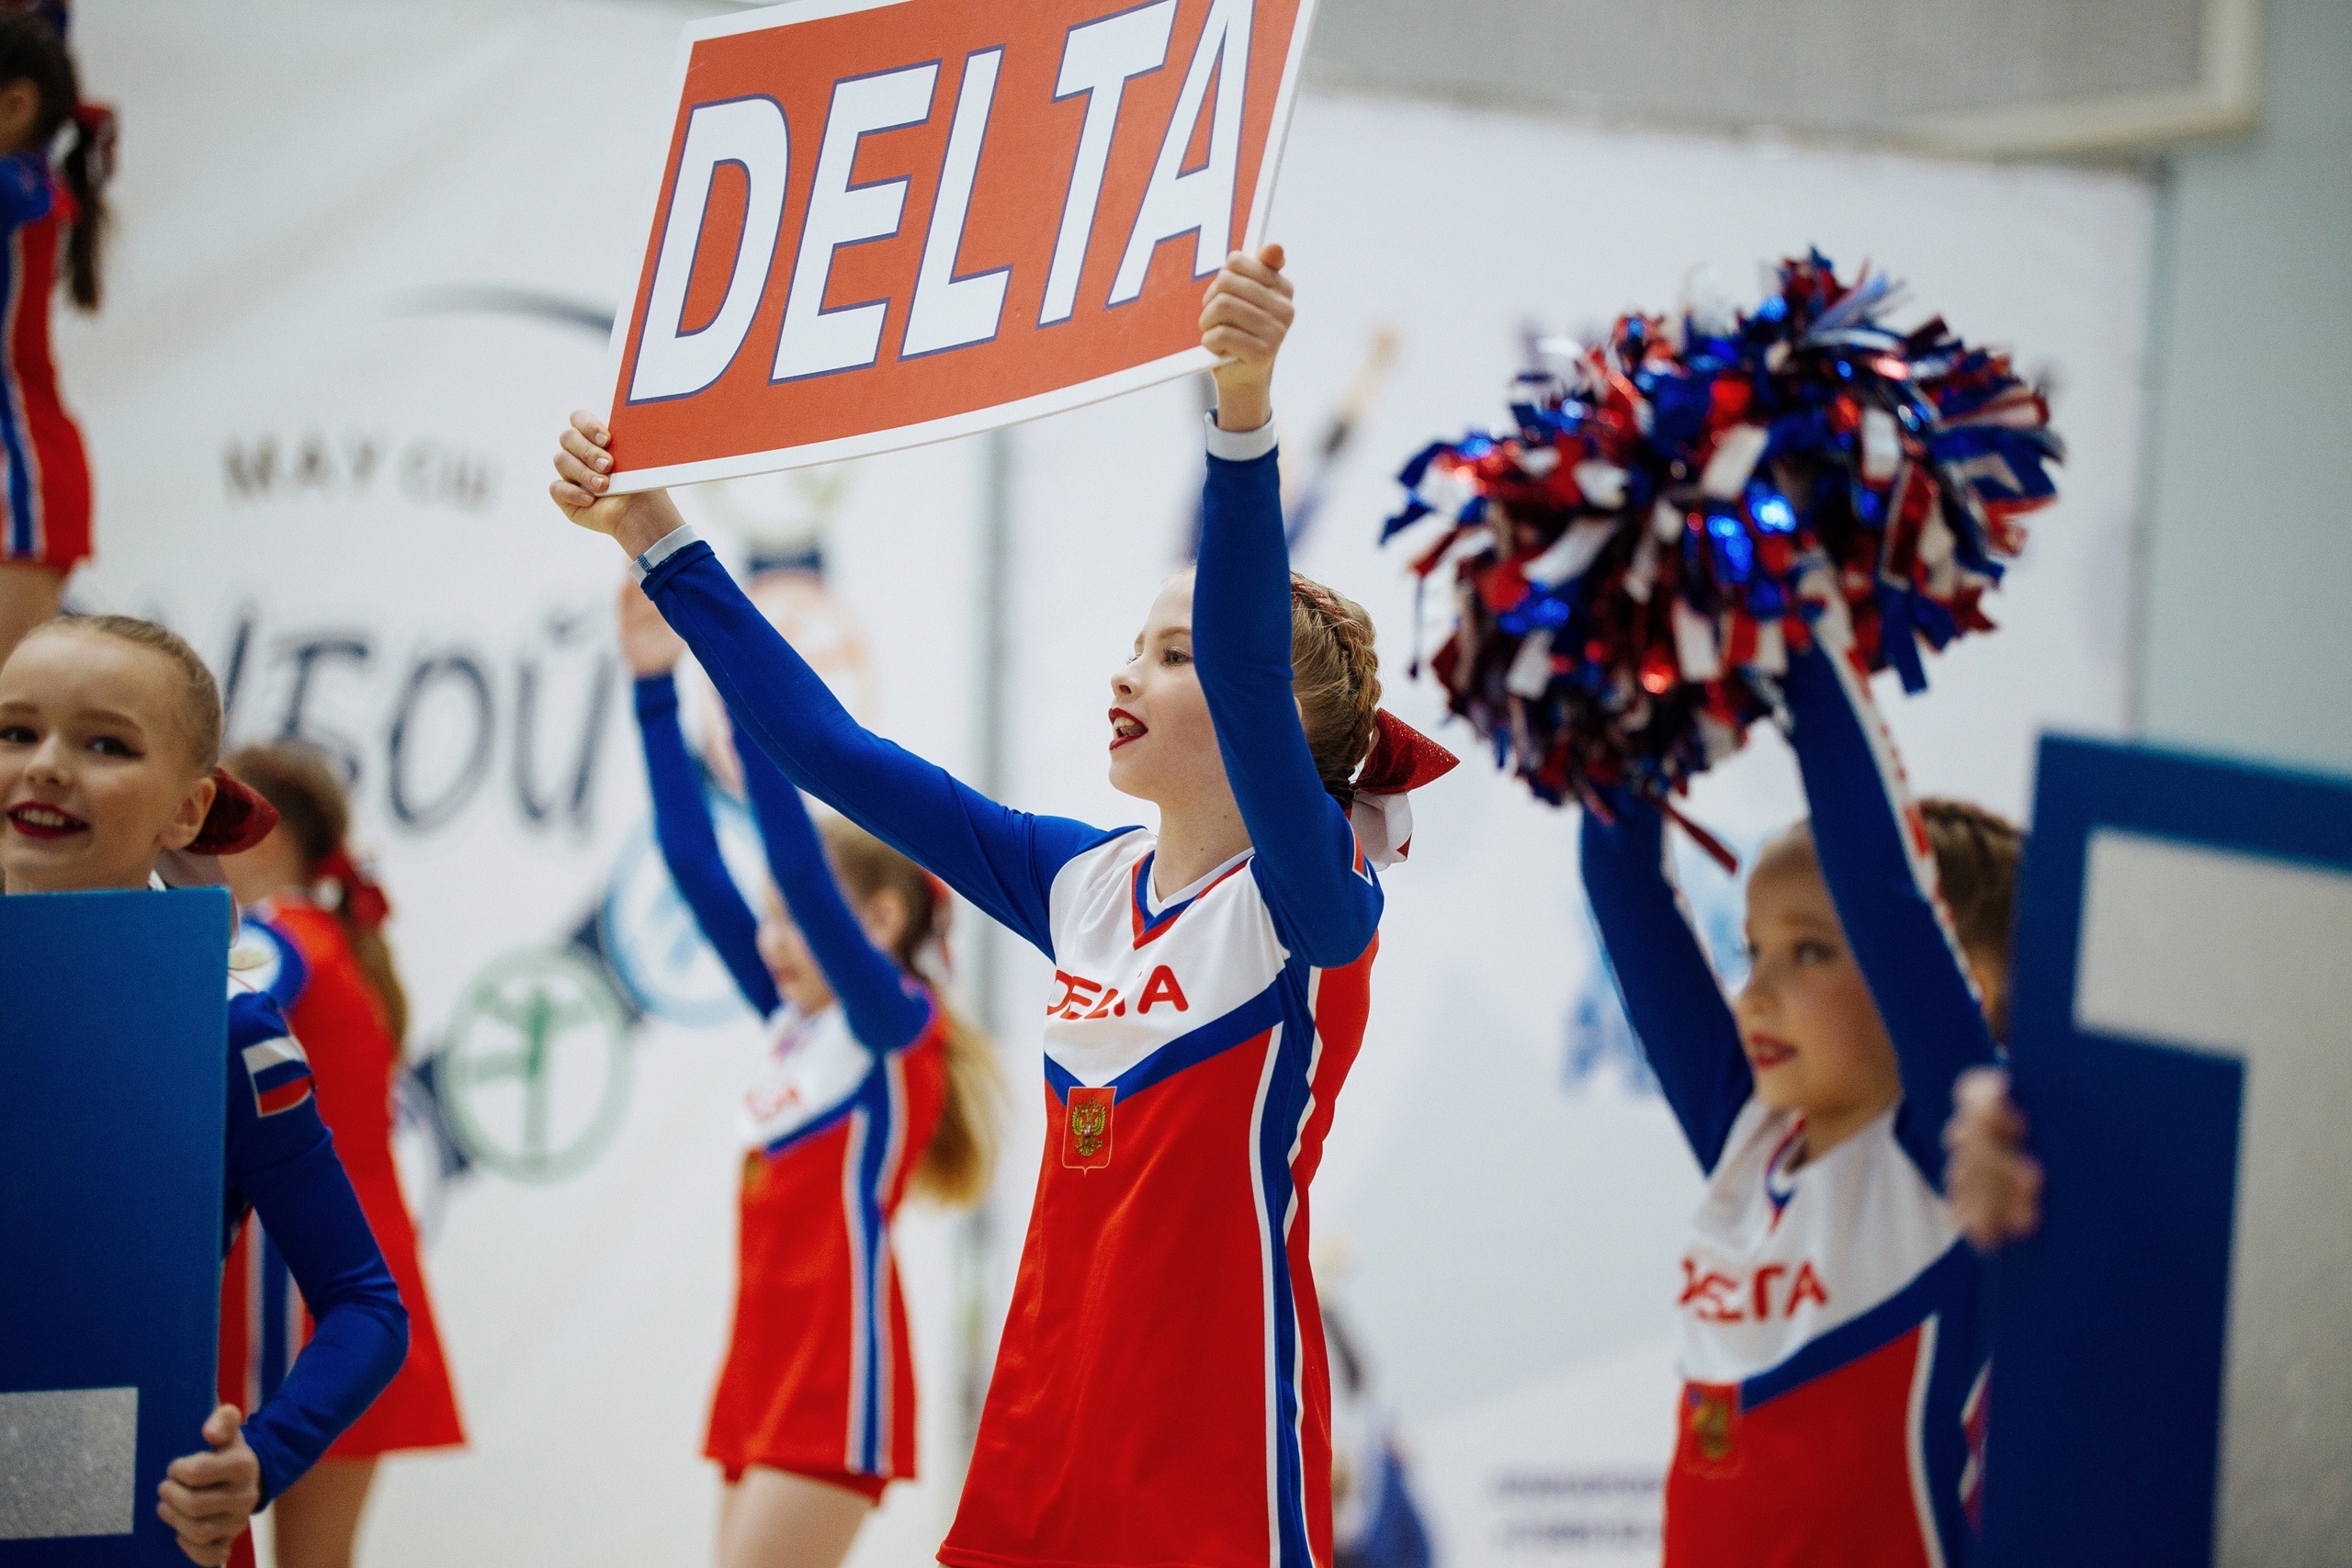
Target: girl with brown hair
[(872, 1086), (110, 752), (52, 216)]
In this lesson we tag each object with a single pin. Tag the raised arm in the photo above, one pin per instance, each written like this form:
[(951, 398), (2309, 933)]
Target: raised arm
[(283, 1163), (1874, 857), (885, 1011), (1326, 900), (1672, 995), (1001, 860), (689, 842)]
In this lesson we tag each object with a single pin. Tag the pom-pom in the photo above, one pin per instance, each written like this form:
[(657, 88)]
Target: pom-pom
[(1634, 562)]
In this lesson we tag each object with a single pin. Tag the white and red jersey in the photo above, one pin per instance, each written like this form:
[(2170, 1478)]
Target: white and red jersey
[(1191, 1065), (1824, 1331)]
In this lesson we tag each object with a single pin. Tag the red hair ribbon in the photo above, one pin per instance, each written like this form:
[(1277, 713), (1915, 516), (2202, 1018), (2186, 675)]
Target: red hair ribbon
[(354, 896), (96, 123), (1402, 760), (237, 820)]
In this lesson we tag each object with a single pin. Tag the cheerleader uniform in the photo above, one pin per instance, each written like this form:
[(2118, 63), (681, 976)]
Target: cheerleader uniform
[(1160, 1393), (1831, 1412), (298, 953), (820, 1376), (44, 472), (282, 1166)]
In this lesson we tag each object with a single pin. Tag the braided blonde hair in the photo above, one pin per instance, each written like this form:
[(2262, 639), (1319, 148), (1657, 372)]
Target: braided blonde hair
[(1336, 675)]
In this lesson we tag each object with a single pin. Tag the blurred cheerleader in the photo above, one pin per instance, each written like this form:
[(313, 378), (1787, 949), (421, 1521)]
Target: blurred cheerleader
[(871, 1083), (46, 207), (313, 940)]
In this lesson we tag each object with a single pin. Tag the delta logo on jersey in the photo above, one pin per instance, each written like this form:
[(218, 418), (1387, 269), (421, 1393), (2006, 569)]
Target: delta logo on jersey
[(280, 1073), (1082, 999)]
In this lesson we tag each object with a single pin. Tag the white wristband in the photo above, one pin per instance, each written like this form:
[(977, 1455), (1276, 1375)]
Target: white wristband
[(1238, 445)]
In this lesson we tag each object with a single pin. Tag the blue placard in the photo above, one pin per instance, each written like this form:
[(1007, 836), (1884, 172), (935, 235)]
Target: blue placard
[(2179, 1049), (113, 1051)]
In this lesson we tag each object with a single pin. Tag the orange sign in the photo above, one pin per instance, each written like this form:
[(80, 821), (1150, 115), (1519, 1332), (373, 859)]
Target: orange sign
[(883, 222)]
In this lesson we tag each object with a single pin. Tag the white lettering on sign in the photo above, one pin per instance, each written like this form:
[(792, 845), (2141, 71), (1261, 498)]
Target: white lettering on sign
[(816, 341), (950, 311), (1097, 60), (750, 134), (1201, 201)]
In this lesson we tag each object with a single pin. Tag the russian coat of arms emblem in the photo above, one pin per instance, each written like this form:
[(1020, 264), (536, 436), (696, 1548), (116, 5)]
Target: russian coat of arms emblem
[(1086, 1129)]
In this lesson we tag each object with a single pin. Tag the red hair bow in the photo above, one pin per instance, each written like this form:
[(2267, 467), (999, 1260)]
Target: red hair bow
[(1402, 760), (350, 891), (237, 820)]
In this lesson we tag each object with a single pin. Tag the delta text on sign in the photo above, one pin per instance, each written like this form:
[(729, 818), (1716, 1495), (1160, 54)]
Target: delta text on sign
[(884, 223)]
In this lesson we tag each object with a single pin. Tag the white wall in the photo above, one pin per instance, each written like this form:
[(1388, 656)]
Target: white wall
[(2245, 645)]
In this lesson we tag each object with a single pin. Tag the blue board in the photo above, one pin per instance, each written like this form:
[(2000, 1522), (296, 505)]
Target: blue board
[(2112, 1355), (113, 1045)]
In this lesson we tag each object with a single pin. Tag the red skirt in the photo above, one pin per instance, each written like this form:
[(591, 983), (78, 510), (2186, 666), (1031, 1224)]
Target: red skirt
[(819, 1378), (264, 1325)]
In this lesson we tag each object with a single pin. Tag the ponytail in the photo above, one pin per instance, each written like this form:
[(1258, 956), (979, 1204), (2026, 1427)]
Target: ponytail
[(298, 780), (86, 167), (32, 48), (959, 1161)]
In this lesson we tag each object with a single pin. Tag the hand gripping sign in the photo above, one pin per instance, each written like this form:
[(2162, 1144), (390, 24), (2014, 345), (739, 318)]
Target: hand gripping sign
[(883, 222)]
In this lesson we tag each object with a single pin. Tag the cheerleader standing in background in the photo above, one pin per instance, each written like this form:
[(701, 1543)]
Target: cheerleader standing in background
[(52, 219), (1160, 1395), (109, 735), (313, 929), (869, 1077), (1832, 1408)]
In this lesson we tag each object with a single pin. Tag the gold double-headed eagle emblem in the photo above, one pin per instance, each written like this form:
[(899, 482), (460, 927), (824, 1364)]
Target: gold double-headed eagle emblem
[(1088, 1122)]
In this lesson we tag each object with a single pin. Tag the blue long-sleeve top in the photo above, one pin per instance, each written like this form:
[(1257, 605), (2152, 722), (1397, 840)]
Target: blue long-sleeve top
[(1862, 839), (282, 1166), (884, 1008), (1325, 902)]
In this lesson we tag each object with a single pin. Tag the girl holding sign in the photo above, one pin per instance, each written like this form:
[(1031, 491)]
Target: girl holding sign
[(1160, 1393), (48, 215), (110, 746), (871, 1084)]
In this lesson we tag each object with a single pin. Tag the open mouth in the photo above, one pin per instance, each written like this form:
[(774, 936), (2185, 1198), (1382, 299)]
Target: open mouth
[(35, 821), (1764, 1052), (1125, 727)]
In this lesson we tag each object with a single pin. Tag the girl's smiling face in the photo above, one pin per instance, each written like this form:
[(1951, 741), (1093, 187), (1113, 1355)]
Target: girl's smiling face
[(1163, 744), (1806, 1018), (99, 774)]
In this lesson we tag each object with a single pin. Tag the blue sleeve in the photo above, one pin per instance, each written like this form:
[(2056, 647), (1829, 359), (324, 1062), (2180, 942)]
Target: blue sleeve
[(682, 826), (885, 1012), (1672, 995), (1325, 899), (1874, 857), (284, 1164), (1004, 861), (26, 191)]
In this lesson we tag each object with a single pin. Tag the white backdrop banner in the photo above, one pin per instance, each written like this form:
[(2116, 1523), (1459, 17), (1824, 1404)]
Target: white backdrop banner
[(367, 260)]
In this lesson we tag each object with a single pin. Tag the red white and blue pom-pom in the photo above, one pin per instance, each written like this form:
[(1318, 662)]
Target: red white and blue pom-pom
[(1681, 508)]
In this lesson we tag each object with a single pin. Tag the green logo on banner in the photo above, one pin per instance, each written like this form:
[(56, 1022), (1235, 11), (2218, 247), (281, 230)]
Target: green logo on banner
[(536, 1069)]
